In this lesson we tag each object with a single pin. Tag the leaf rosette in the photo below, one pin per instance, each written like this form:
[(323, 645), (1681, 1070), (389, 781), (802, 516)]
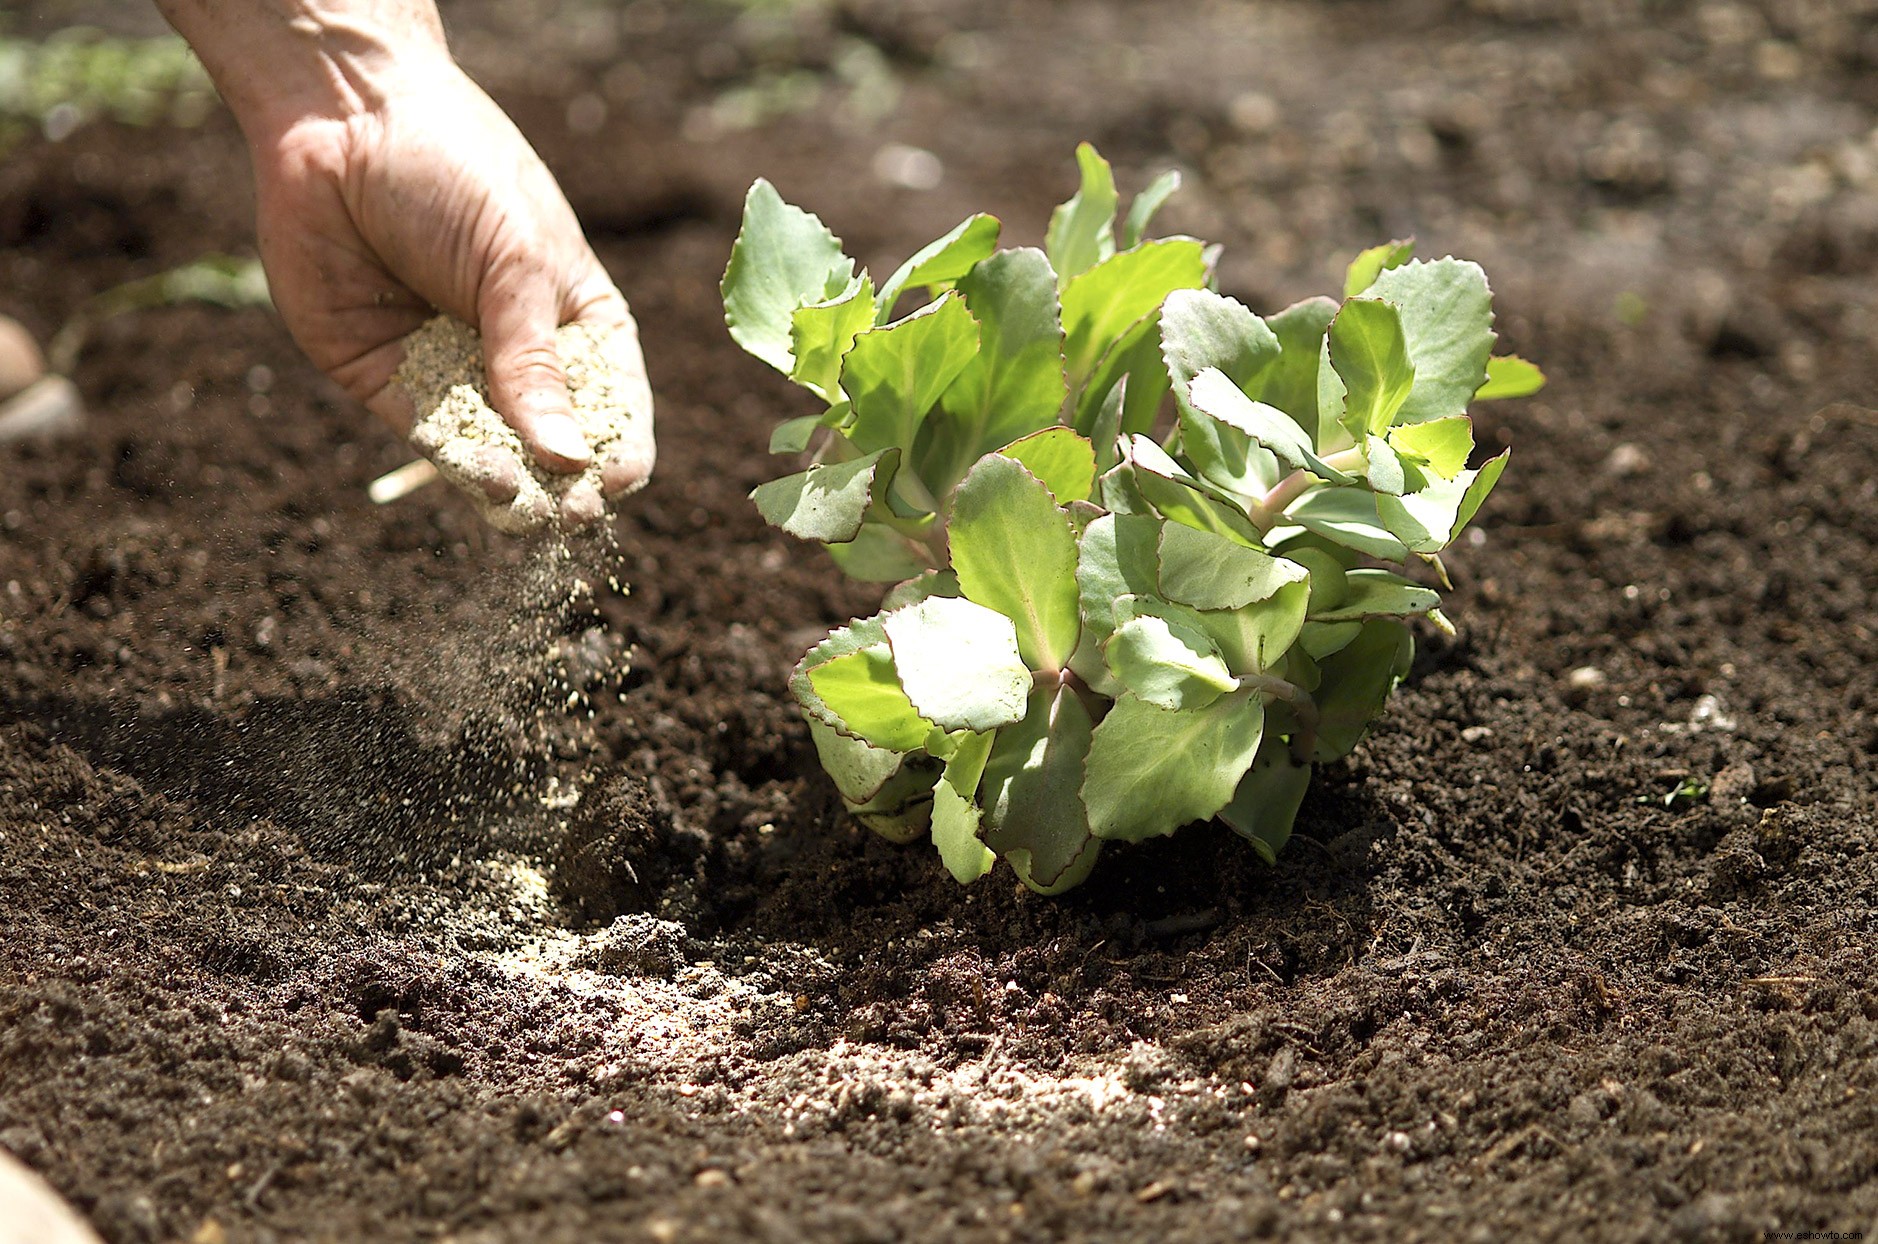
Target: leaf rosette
[(1155, 555)]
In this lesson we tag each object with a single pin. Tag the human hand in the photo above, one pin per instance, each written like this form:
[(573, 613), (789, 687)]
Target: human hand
[(430, 198), (390, 187)]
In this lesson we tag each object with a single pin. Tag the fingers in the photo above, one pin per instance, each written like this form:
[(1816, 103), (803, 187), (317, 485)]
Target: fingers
[(629, 462), (498, 474), (626, 472), (596, 300), (526, 381), (581, 506)]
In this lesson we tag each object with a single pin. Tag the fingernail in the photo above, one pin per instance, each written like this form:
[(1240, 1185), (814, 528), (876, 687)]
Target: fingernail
[(561, 437)]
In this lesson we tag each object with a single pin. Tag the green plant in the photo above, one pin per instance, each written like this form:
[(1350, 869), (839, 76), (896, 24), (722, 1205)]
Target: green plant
[(219, 280), (79, 74), (1098, 635)]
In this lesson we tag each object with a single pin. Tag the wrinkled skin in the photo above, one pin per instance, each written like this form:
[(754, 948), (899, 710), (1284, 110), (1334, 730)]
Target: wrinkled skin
[(389, 187)]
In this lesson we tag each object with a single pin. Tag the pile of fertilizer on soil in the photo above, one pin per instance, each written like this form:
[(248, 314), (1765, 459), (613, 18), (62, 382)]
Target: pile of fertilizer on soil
[(459, 431)]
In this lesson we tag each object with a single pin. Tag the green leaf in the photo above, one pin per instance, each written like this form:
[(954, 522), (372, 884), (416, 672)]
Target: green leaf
[(1152, 770), (1509, 376), (1265, 806), (1441, 444), (1105, 433), (1064, 461), (1100, 305), (1329, 574), (901, 826), (1356, 682), (1484, 479), (879, 554), (1212, 393), (1447, 320), (1256, 637), (1428, 521), (859, 769), (784, 258), (821, 333), (1116, 558), (1202, 329), (1146, 204), (894, 375), (1074, 875), (1116, 490), (1162, 653), (1014, 385), (1034, 817), (1385, 469), (1371, 356), (1174, 494), (1207, 571), (902, 809), (1349, 517), (1082, 231), (958, 663), (1374, 593), (1290, 383), (923, 586), (956, 816), (1369, 265), (1015, 552), (856, 635), (941, 261), (861, 690), (1131, 366), (1331, 434), (792, 436), (1320, 639), (828, 501)]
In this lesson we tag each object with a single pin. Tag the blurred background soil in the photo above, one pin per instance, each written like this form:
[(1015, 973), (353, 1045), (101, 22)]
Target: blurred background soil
[(305, 936)]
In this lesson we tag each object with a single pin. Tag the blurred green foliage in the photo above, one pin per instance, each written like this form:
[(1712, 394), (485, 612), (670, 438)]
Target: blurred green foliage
[(79, 75)]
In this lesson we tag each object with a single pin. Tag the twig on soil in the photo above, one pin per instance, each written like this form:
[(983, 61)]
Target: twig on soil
[(1251, 959), (1781, 980), (407, 479), (253, 1199), (180, 868), (1507, 1145)]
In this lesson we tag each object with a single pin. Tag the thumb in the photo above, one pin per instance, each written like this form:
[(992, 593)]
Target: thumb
[(518, 311)]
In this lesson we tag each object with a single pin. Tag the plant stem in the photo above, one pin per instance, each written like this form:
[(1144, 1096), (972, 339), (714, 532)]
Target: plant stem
[(1265, 513), (1304, 742), (1349, 460)]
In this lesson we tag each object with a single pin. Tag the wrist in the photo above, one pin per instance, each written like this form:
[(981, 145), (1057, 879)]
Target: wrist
[(281, 63)]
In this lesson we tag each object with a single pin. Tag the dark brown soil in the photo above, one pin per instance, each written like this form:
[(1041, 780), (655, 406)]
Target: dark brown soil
[(294, 948)]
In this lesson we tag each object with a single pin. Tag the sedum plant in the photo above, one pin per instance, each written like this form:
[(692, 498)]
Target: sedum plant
[(1148, 548)]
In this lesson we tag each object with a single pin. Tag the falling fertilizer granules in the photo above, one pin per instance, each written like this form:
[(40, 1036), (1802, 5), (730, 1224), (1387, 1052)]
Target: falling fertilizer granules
[(513, 657), (472, 445)]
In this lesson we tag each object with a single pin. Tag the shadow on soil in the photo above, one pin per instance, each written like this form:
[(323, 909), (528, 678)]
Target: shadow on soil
[(349, 775)]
